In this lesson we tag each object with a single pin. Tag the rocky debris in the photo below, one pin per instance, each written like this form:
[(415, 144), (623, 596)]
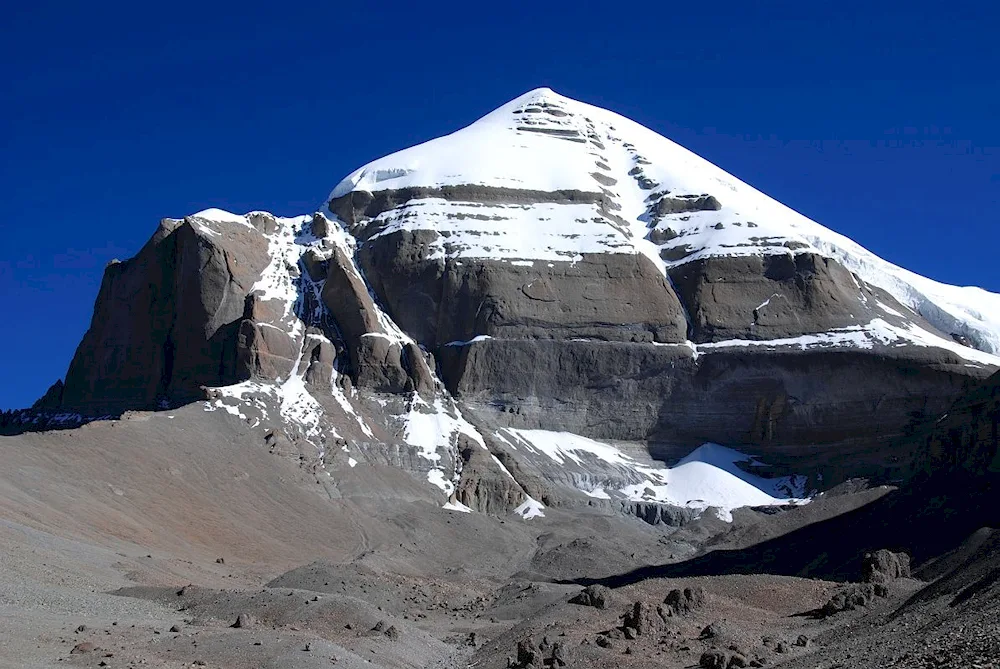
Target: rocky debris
[(710, 631), (84, 647), (852, 597), (883, 567), (597, 596), (682, 602), (174, 629), (546, 654), (657, 514), (802, 641)]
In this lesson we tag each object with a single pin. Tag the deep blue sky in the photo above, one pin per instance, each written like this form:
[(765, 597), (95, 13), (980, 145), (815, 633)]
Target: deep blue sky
[(880, 123)]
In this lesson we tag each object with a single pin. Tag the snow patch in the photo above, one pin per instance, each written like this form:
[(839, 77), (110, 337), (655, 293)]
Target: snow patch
[(455, 505), (709, 477), (477, 338), (530, 508)]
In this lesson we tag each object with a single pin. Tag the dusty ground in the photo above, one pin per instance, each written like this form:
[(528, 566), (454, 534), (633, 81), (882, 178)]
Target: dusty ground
[(142, 542)]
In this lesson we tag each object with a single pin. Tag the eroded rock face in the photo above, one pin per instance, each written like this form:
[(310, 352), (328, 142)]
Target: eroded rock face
[(773, 297), (485, 485), (967, 438), (602, 345), (635, 391), (380, 359), (611, 297), (597, 280), (167, 322)]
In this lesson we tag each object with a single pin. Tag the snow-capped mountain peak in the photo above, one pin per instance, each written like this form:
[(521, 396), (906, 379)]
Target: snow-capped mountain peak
[(545, 177)]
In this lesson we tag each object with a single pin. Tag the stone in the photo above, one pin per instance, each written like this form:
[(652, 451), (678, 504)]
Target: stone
[(527, 654), (883, 566), (737, 660), (596, 596), (245, 621), (645, 618), (682, 602), (714, 659)]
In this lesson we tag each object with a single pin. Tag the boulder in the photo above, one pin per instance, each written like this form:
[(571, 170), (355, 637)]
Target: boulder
[(646, 618), (883, 566), (682, 602), (597, 596)]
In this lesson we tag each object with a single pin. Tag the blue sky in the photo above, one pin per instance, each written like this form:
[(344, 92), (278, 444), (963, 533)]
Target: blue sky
[(879, 122)]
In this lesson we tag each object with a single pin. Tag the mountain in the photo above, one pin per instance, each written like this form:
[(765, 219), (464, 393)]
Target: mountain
[(552, 269), (552, 349)]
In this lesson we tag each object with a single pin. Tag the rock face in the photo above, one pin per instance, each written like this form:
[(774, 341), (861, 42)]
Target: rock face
[(168, 321), (611, 297), (380, 359), (966, 438), (596, 596), (775, 296)]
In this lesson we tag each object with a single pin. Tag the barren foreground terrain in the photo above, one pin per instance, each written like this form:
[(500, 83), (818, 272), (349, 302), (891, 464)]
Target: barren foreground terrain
[(174, 539)]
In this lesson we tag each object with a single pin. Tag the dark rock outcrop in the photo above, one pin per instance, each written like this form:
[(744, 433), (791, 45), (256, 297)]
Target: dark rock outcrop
[(683, 602), (379, 359), (883, 567), (966, 438), (484, 486), (646, 618), (167, 322), (608, 297), (773, 296), (596, 596), (777, 400)]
